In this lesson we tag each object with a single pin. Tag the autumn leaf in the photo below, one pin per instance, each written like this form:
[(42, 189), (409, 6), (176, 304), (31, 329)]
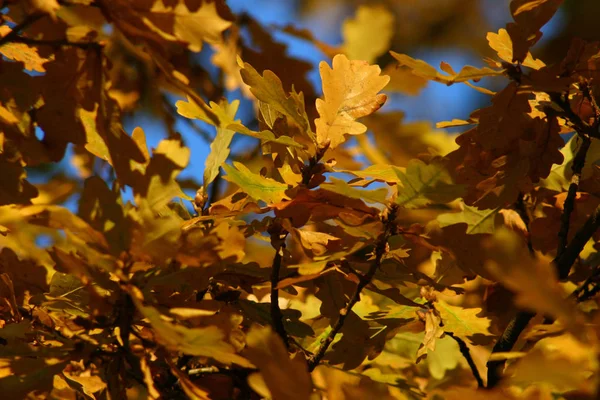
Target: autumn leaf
[(424, 184), (462, 322), (361, 41), (478, 221), (268, 89), (257, 186), (285, 378), (350, 91), (422, 69), (502, 44), (178, 22), (207, 342)]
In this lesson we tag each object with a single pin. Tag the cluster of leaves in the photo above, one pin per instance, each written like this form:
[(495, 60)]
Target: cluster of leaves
[(315, 273)]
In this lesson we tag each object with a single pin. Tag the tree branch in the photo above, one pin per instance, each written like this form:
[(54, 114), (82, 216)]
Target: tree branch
[(380, 250), (563, 264), (276, 315), (57, 43), (566, 260), (10, 36), (565, 219), (464, 350), (505, 343)]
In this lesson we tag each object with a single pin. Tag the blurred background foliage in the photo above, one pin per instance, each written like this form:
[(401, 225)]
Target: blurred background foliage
[(435, 30)]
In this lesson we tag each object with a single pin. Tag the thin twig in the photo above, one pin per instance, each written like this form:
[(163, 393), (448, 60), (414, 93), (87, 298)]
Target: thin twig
[(57, 43), (19, 27), (565, 219), (589, 288), (380, 250), (464, 350), (566, 260), (276, 315), (521, 209), (505, 343)]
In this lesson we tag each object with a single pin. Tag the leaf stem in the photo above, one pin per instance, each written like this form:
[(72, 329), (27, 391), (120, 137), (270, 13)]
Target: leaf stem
[(276, 315), (464, 350), (10, 36), (364, 280)]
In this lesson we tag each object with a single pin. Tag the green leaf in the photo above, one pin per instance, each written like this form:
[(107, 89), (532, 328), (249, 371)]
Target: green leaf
[(478, 221), (382, 172), (425, 184), (268, 89), (342, 187), (256, 186), (462, 322)]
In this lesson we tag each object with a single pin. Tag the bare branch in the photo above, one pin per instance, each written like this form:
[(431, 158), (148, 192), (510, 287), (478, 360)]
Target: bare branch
[(10, 37), (565, 220), (57, 43), (464, 350), (380, 250), (276, 315)]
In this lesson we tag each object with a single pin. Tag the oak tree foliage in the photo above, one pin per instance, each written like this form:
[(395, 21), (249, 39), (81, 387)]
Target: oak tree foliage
[(344, 254)]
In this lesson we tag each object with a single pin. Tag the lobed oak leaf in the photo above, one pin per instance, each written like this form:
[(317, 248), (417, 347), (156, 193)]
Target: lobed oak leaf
[(256, 186), (478, 221), (350, 91), (424, 184), (23, 53), (268, 89), (177, 22), (502, 44), (463, 322), (341, 187), (361, 41)]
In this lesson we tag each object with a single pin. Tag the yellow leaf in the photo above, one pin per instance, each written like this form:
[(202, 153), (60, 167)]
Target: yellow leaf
[(361, 41), (257, 186), (21, 52), (192, 27), (463, 322), (350, 91), (502, 44)]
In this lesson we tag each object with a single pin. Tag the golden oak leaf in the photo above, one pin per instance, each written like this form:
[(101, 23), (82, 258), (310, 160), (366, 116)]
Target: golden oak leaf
[(350, 91), (463, 322), (21, 52), (361, 41), (502, 44), (178, 22), (433, 331)]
